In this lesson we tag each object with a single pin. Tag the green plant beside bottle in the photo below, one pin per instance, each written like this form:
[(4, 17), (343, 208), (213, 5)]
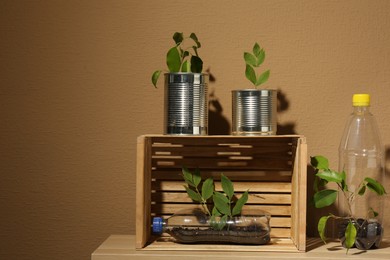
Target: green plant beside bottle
[(324, 197), (220, 206), (183, 57)]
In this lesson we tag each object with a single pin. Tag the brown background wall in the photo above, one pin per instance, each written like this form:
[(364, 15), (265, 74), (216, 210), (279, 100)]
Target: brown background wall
[(76, 92)]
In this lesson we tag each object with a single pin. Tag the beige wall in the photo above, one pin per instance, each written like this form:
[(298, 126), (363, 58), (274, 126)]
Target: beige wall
[(76, 92)]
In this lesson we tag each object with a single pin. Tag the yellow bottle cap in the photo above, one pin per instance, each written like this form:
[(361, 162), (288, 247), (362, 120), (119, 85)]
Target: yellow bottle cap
[(361, 100)]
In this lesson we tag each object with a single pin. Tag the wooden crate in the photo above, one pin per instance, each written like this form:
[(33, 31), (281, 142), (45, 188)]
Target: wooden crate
[(273, 167)]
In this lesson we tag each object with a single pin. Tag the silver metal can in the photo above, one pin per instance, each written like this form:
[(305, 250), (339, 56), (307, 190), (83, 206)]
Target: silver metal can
[(186, 103), (254, 112)]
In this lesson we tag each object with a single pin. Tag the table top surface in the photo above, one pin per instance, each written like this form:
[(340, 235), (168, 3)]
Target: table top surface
[(121, 247)]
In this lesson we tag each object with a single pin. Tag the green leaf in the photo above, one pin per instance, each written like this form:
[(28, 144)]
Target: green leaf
[(193, 36), (260, 58), (316, 184), (319, 183), (196, 64), (215, 212), (195, 50), (250, 59), (221, 197), (223, 222), (256, 49), (345, 186), (212, 219), (207, 188), (350, 235), (325, 198), (227, 186), (322, 227), (250, 74), (173, 60), (240, 203), (217, 222), (193, 195), (186, 67), (221, 205), (362, 190), (263, 78), (220, 223), (155, 77), (187, 175), (375, 186), (330, 175), (178, 38), (319, 162), (196, 177), (213, 222)]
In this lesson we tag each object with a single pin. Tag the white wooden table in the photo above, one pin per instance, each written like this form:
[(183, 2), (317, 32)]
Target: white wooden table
[(121, 247)]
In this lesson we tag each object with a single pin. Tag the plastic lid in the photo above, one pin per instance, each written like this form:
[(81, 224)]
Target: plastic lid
[(157, 225), (361, 100)]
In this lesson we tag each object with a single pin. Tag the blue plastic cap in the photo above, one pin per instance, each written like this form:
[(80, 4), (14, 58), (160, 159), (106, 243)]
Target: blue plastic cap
[(157, 225)]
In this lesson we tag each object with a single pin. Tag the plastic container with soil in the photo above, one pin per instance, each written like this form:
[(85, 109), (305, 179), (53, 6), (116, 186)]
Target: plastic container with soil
[(194, 226)]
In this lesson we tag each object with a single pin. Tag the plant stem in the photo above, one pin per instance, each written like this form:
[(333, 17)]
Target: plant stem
[(204, 203), (347, 198)]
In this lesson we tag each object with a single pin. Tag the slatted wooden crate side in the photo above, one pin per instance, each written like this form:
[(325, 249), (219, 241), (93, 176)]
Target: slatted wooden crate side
[(143, 188), (169, 197), (299, 188), (214, 156), (165, 155), (227, 151)]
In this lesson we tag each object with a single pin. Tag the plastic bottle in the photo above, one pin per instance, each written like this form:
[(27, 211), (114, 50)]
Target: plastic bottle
[(360, 156), (194, 226)]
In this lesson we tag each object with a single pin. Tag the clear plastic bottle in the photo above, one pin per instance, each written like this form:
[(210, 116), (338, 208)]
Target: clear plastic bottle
[(194, 226), (360, 156)]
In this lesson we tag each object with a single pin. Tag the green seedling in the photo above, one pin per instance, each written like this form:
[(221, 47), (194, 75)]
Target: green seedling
[(183, 57), (220, 206), (324, 197), (253, 61)]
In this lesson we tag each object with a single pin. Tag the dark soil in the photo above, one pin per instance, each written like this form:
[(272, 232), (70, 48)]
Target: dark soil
[(244, 235), (369, 234)]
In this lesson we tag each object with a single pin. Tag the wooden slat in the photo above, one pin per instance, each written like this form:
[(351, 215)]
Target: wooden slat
[(299, 188), (222, 151), (234, 175), (221, 164), (254, 198), (280, 232), (280, 222), (277, 244), (279, 187), (143, 195), (266, 141), (279, 210)]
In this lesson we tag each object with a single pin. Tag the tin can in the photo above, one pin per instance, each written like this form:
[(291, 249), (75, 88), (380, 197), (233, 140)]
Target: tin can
[(186, 103), (254, 112)]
